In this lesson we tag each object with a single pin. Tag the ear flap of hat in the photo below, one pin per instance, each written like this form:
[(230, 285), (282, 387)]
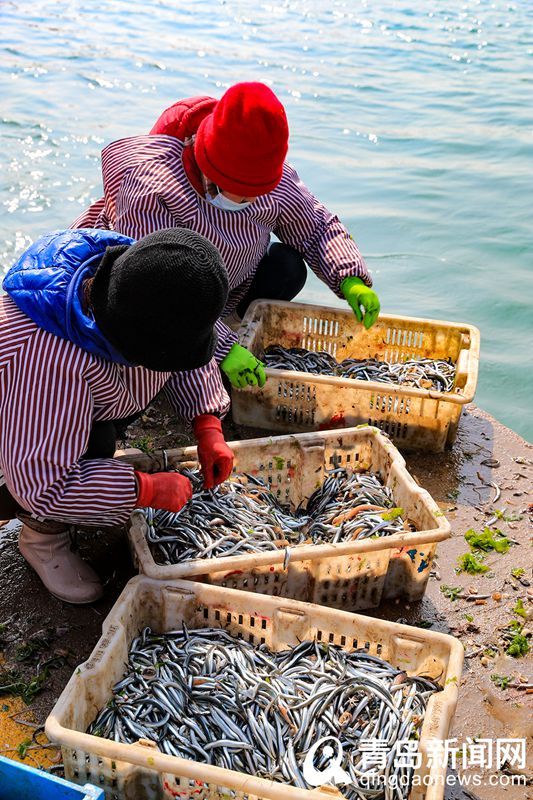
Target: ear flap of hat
[(100, 282)]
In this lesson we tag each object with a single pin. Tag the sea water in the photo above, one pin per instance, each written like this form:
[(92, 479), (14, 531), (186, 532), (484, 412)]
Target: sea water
[(412, 121)]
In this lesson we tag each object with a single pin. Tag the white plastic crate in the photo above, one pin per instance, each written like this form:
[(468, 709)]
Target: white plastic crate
[(141, 772), (349, 575), (293, 402)]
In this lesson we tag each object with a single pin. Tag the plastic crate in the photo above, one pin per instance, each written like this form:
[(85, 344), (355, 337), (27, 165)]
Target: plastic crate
[(131, 772), (414, 418), (350, 575), (21, 782)]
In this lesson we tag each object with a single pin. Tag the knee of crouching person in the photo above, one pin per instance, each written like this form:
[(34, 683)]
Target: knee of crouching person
[(291, 268)]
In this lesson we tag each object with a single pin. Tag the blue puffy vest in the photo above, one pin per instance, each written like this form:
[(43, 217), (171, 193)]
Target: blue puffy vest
[(46, 284)]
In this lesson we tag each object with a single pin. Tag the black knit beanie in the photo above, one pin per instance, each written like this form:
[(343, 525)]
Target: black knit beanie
[(156, 301)]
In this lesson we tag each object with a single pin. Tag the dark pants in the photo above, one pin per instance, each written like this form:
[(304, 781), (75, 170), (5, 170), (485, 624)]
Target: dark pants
[(281, 274), (102, 444), (104, 435)]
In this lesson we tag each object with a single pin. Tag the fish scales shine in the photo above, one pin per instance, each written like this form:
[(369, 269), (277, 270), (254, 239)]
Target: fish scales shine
[(244, 516), (423, 373), (210, 697)]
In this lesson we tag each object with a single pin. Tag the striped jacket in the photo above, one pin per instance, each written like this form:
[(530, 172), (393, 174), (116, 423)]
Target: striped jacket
[(51, 392), (146, 188)]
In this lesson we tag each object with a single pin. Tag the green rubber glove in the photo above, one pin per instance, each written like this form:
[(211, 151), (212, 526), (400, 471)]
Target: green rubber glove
[(359, 295), (243, 368)]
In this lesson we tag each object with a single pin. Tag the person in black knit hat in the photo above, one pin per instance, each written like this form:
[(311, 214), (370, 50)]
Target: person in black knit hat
[(157, 301), (92, 326)]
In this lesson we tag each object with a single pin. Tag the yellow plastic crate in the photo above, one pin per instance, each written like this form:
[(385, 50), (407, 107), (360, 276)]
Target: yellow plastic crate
[(134, 771), (293, 402), (349, 575)]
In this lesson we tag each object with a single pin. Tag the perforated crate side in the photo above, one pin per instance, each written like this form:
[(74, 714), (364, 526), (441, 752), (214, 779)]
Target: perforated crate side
[(294, 466), (292, 401), (278, 623)]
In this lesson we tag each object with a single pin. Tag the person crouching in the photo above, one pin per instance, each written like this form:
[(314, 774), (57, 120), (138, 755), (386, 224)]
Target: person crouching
[(93, 325)]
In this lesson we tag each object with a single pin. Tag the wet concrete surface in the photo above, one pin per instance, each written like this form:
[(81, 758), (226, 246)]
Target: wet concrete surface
[(486, 459), (485, 453)]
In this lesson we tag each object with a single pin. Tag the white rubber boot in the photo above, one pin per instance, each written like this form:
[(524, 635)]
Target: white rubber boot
[(64, 573)]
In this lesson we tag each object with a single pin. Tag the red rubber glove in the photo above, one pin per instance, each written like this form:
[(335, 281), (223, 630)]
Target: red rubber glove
[(214, 455), (167, 490)]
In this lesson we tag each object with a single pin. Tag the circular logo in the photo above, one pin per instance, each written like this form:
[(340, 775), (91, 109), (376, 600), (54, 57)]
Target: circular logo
[(333, 773)]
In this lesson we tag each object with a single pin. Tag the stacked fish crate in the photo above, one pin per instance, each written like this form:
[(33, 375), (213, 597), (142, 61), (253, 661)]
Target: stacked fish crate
[(419, 411), (234, 666), (325, 557), (395, 681)]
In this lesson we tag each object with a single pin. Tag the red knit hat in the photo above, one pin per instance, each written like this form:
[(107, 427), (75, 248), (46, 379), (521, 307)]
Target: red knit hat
[(242, 144)]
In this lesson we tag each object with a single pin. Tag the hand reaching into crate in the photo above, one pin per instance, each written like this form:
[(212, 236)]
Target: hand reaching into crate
[(360, 296), (214, 455), (243, 368), (164, 490)]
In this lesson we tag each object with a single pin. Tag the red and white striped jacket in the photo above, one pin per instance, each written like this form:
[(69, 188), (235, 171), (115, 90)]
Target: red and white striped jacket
[(146, 188), (51, 392)]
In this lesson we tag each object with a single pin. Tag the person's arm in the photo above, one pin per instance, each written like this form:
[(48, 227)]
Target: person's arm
[(226, 338), (199, 397), (42, 445), (195, 392), (307, 225), (240, 366), (43, 440)]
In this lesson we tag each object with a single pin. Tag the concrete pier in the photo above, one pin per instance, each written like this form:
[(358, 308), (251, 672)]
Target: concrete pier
[(488, 473)]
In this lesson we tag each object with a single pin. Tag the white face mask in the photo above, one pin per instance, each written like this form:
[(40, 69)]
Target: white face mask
[(221, 201)]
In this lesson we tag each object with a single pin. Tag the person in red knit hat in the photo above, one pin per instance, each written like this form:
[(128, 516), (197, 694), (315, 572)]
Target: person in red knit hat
[(218, 167), (241, 146)]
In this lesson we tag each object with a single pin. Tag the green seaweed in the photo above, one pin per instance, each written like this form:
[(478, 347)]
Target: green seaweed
[(520, 608), (11, 683), (143, 443), (507, 517), (22, 748), (488, 540), (518, 572), (451, 592), (518, 646), (393, 513), (502, 681), (469, 563)]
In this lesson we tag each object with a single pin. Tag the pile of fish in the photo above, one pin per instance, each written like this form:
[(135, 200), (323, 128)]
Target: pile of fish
[(299, 359), (423, 373), (353, 506), (207, 696), (240, 516), (243, 516)]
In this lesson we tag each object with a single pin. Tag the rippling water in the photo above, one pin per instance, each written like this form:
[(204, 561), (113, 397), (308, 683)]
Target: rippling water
[(414, 125)]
